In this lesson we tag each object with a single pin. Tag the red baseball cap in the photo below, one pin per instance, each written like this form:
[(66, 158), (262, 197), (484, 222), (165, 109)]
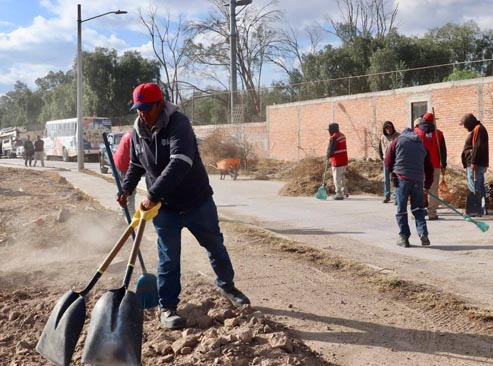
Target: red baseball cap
[(145, 95), (428, 117)]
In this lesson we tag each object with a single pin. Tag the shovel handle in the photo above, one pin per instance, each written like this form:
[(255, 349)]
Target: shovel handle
[(134, 253), (120, 191), (109, 258)]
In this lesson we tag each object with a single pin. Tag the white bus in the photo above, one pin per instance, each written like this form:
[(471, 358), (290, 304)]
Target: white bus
[(60, 137)]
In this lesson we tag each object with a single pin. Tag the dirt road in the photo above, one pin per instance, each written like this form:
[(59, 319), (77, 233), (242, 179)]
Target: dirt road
[(347, 313)]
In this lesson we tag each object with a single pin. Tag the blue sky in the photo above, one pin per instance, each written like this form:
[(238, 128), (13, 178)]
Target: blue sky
[(41, 36)]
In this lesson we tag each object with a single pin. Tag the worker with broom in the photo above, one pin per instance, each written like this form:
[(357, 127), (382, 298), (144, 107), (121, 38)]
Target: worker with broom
[(434, 142), (337, 154), (164, 149)]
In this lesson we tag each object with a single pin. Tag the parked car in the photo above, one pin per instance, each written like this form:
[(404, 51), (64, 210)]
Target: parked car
[(113, 139)]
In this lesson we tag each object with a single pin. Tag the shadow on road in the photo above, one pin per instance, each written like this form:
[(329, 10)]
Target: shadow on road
[(460, 345)]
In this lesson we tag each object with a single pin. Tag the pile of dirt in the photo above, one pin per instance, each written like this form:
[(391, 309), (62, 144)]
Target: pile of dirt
[(363, 177), (52, 239)]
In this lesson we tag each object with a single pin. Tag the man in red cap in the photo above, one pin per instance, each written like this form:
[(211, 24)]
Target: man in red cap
[(164, 149), (434, 143)]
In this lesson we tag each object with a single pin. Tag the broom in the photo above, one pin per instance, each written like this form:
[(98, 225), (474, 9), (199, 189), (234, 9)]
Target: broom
[(146, 285), (481, 225), (322, 191)]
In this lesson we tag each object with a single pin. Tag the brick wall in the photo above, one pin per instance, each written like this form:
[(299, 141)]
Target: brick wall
[(297, 130)]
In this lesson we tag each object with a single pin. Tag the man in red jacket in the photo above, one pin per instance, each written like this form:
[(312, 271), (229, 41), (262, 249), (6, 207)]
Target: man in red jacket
[(434, 143), (337, 153), (122, 161)]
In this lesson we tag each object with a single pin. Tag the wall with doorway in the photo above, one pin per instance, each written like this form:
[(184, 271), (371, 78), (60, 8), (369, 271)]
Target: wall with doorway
[(298, 130)]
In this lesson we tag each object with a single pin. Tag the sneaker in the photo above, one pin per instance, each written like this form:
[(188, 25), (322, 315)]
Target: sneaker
[(424, 240), (235, 296), (339, 198), (403, 242), (386, 200), (171, 320), (432, 218)]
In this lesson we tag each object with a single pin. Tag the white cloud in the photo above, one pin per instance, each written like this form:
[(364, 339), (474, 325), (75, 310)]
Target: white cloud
[(49, 42)]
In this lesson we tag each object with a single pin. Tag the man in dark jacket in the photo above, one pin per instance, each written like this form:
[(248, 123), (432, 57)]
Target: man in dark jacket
[(389, 135), (411, 168), (475, 155), (337, 154), (164, 148), (28, 151)]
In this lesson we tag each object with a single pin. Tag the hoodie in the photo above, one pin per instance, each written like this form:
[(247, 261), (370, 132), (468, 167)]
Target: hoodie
[(408, 159), (337, 149), (476, 150), (169, 158), (386, 139)]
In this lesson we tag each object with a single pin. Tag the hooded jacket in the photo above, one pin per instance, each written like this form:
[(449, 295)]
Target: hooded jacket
[(337, 150), (408, 159), (386, 139), (476, 150), (169, 157), (434, 143)]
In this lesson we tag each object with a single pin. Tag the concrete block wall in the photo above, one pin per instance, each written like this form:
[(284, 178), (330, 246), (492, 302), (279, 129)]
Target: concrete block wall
[(298, 130)]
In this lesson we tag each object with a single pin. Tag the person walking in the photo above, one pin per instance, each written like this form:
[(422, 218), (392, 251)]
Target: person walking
[(475, 156), (28, 151), (121, 158), (164, 149), (410, 164), (39, 151), (434, 142), (337, 154), (389, 135)]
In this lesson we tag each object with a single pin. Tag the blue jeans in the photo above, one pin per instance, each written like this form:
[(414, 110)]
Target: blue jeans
[(478, 185), (386, 182), (410, 189), (203, 223)]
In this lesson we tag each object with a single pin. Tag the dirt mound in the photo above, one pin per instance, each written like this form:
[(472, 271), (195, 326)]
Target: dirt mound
[(363, 177), (52, 238)]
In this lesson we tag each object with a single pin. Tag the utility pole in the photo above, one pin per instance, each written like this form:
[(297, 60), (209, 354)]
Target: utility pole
[(232, 42), (80, 133)]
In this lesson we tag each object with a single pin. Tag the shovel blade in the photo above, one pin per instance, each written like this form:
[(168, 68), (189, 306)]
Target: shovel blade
[(62, 330), (114, 337)]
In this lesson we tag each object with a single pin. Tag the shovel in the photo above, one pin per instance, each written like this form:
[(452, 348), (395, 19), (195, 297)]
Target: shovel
[(146, 286), (322, 191), (62, 330), (114, 337), (481, 225)]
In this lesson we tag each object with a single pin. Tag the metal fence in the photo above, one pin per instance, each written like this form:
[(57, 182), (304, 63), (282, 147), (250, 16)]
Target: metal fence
[(215, 108)]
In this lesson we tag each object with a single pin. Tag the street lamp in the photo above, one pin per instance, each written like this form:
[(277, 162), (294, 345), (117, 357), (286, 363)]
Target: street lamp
[(80, 135), (232, 42)]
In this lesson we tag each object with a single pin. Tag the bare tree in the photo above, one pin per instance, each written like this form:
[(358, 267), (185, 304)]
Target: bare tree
[(363, 18), (257, 37), (289, 52), (169, 46)]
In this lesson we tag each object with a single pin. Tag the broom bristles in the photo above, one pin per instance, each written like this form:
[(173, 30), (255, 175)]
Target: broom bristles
[(146, 291)]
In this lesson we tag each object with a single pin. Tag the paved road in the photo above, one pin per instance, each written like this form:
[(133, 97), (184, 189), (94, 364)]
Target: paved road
[(460, 259)]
